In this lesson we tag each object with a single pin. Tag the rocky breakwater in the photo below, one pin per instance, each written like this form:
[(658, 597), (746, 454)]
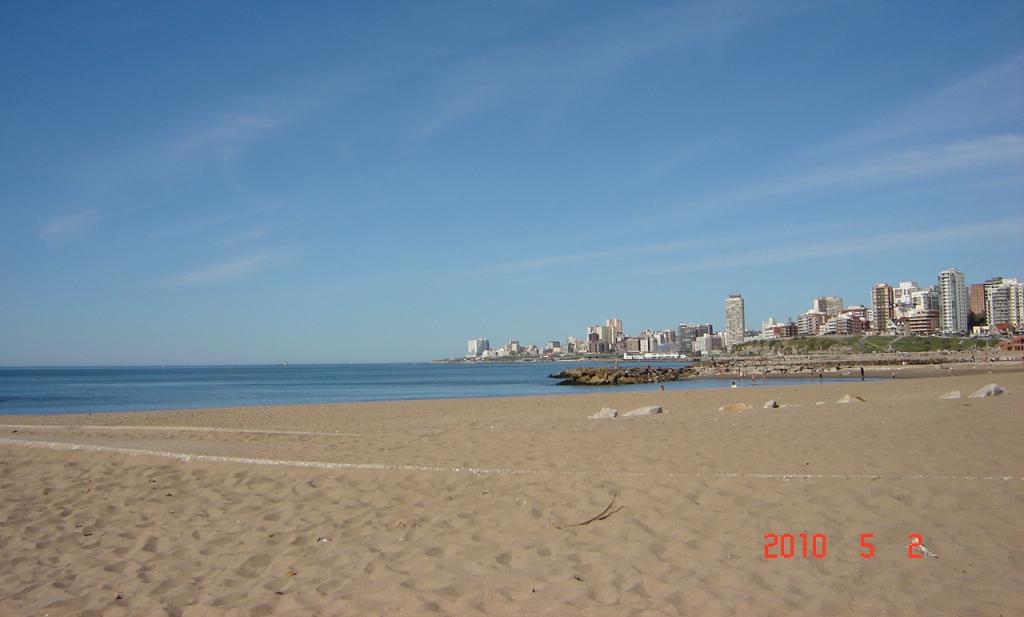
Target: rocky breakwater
[(612, 376)]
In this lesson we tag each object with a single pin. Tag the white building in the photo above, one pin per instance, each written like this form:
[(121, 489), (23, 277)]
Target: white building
[(735, 320), (925, 300), (476, 347), (953, 302), (1003, 303), (768, 327), (903, 298)]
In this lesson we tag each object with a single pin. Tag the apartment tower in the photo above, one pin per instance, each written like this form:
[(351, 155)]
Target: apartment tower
[(953, 302), (735, 320)]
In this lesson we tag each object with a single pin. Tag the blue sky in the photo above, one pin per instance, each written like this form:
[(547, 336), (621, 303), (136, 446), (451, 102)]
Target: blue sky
[(196, 183)]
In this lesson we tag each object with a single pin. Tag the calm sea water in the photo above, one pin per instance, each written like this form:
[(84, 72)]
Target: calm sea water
[(74, 390)]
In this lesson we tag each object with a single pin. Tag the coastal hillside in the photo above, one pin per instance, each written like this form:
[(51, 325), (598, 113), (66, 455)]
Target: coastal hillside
[(861, 344)]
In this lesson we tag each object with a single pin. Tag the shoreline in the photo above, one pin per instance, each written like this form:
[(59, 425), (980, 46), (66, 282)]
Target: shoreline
[(846, 374), (628, 391)]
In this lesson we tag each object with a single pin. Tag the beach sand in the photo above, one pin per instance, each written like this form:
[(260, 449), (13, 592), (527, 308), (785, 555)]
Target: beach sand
[(462, 507)]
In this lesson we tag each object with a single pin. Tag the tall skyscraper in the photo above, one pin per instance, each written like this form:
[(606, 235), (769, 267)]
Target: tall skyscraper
[(881, 307), (735, 319), (952, 302), (977, 306)]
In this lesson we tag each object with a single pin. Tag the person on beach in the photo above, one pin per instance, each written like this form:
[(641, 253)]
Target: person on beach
[(862, 373)]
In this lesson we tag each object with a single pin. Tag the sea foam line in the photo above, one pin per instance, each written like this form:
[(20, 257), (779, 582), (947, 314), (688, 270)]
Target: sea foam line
[(212, 458)]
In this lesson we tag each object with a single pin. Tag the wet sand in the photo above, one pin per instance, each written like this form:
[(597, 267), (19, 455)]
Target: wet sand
[(464, 507)]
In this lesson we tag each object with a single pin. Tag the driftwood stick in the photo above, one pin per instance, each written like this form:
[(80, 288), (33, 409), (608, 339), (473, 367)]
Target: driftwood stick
[(603, 514)]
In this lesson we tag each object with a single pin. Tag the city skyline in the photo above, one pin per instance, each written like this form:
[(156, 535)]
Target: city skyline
[(346, 183), (909, 307)]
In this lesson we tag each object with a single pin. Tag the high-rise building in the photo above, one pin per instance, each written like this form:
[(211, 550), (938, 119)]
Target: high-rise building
[(735, 320), (476, 347), (1003, 300), (977, 306), (616, 325), (881, 307), (830, 305), (952, 302)]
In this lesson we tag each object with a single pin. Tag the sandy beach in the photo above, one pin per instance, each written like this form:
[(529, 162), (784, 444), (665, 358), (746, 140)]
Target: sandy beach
[(471, 507)]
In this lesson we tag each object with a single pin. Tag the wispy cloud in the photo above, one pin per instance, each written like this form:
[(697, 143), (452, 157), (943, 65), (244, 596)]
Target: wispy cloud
[(70, 224), (224, 271), (226, 136), (627, 251), (551, 73), (244, 235), (886, 169), (993, 95), (550, 261), (784, 250)]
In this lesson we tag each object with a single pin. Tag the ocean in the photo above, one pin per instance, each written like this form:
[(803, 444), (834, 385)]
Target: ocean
[(82, 390)]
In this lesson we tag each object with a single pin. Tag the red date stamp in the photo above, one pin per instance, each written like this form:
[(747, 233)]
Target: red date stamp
[(815, 546)]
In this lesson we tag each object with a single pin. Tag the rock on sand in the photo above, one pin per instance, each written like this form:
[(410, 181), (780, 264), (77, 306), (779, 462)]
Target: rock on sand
[(606, 412), (650, 410), (988, 390)]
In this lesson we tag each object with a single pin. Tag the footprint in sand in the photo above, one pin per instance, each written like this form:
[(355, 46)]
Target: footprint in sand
[(254, 566)]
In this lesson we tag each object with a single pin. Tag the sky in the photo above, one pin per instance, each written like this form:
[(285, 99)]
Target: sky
[(205, 183)]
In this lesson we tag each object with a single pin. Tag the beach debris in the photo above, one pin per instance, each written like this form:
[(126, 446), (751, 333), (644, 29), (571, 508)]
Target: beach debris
[(849, 398), (293, 572), (987, 391), (650, 410), (951, 395), (921, 548), (820, 403), (323, 540), (771, 404), (598, 517), (606, 412), (736, 407)]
